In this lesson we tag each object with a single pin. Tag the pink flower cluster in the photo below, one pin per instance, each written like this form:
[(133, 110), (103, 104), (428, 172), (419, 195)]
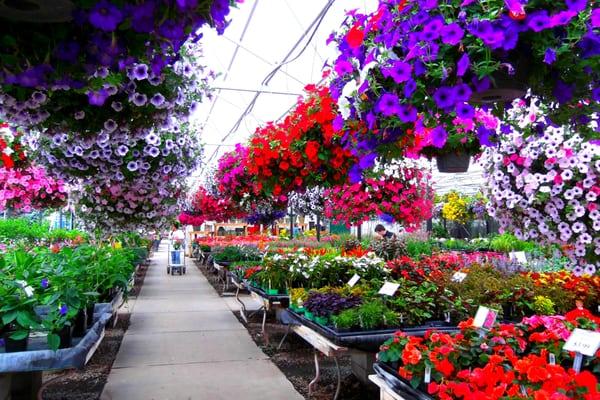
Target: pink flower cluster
[(26, 189), (405, 198), (546, 187)]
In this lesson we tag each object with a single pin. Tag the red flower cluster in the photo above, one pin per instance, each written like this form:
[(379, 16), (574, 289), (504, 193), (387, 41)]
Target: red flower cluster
[(11, 149), (300, 152), (208, 207), (427, 268), (190, 219), (407, 199), (511, 361)]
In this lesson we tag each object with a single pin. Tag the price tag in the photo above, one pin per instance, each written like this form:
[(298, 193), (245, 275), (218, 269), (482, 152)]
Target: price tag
[(518, 256), (353, 280), (26, 288), (584, 342), (389, 288), (485, 318), (427, 378), (459, 277)]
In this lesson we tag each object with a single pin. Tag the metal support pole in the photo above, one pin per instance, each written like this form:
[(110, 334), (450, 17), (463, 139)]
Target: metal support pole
[(317, 375), (318, 227), (242, 305), (291, 224), (339, 378), (287, 332), (359, 232)]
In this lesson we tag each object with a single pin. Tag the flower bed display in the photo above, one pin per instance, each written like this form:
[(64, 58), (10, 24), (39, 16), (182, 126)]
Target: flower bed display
[(508, 361), (414, 72), (52, 288), (30, 188)]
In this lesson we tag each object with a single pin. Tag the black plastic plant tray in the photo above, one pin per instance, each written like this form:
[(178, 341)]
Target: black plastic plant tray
[(397, 383), (270, 297), (368, 340)]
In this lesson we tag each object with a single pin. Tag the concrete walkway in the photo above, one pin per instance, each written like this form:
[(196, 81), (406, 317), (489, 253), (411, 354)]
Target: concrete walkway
[(184, 343)]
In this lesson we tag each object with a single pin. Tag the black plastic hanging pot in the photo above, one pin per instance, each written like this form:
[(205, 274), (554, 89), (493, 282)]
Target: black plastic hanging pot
[(504, 85), (453, 162), (12, 345)]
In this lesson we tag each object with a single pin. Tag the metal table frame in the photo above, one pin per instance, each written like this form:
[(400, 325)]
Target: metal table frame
[(327, 348)]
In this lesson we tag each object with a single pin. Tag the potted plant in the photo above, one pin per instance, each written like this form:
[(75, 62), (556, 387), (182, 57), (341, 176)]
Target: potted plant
[(410, 79), (16, 314)]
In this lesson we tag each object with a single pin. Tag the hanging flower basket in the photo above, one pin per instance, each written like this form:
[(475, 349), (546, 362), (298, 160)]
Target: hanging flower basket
[(453, 162), (414, 72)]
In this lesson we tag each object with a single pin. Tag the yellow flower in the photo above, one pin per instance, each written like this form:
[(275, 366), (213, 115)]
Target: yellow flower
[(117, 245)]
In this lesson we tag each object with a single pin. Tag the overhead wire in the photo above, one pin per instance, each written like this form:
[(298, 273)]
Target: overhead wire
[(314, 27)]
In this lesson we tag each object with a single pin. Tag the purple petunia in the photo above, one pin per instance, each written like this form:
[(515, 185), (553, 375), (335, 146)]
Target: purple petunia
[(343, 67), (400, 71), (576, 5), (452, 34), (110, 125), (563, 91), (407, 113), (388, 104), (439, 137), (463, 65), (562, 18), (105, 16), (158, 100), (538, 21), (595, 20), (550, 56), (122, 150), (44, 283), (462, 92), (139, 99), (409, 88), (117, 106), (139, 72), (465, 111), (132, 166), (97, 98), (79, 115), (63, 310), (444, 97)]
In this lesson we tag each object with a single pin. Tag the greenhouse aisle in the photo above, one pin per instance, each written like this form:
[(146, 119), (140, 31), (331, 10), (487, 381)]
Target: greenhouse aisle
[(184, 343)]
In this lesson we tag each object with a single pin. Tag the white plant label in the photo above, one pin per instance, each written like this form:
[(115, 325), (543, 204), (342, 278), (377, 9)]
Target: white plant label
[(584, 342), (353, 280), (389, 288), (485, 318), (459, 277), (26, 288), (518, 256)]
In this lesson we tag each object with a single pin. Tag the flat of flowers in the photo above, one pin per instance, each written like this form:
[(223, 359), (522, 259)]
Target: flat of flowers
[(364, 339), (400, 385)]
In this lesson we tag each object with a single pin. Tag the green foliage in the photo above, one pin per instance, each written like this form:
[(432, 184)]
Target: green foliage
[(236, 253)]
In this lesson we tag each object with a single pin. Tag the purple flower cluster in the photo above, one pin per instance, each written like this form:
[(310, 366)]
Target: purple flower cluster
[(408, 71), (104, 34), (543, 183)]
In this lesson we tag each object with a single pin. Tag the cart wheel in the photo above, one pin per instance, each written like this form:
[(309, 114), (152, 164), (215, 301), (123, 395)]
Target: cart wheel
[(168, 270)]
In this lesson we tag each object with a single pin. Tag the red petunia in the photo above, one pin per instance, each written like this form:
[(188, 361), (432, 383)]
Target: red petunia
[(355, 36), (312, 150)]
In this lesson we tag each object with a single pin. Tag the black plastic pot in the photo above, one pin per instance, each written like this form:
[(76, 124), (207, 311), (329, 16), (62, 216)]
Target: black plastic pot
[(453, 162), (504, 86), (89, 313), (38, 11), (399, 384), (66, 337), (14, 346), (80, 323)]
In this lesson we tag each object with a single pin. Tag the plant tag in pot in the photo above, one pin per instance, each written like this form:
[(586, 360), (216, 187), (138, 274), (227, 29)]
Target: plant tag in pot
[(353, 280), (518, 256), (459, 277), (389, 288), (485, 318), (26, 288), (583, 341)]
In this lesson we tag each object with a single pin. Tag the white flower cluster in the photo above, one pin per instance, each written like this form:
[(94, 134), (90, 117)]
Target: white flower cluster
[(544, 185)]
